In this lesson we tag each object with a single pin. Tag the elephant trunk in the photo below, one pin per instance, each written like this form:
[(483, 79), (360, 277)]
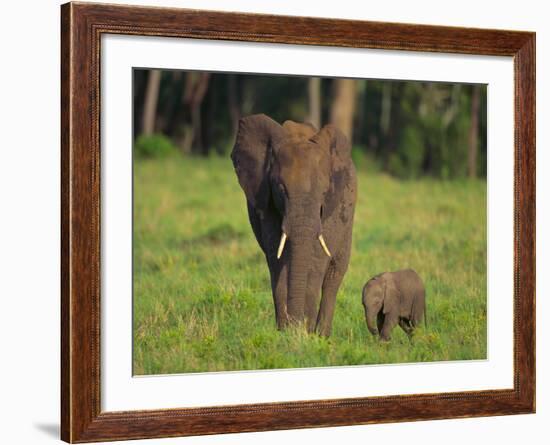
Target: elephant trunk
[(301, 251), (372, 306)]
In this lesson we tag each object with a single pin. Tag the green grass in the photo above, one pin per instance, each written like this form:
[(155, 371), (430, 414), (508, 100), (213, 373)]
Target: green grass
[(202, 298)]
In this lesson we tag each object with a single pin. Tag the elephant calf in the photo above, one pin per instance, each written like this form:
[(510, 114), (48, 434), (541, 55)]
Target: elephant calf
[(391, 298)]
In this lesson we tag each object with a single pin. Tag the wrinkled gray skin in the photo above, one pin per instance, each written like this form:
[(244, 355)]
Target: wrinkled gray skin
[(300, 182), (394, 298)]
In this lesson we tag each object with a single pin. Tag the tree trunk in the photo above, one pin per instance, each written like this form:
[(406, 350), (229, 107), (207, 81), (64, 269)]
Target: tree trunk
[(233, 103), (140, 85), (151, 100), (343, 106), (200, 91), (452, 110), (391, 120), (360, 116), (473, 136), (385, 115), (208, 109), (314, 96), (174, 113), (196, 86)]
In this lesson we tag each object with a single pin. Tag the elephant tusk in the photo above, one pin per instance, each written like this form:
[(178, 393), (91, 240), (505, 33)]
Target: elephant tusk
[(324, 245), (281, 245)]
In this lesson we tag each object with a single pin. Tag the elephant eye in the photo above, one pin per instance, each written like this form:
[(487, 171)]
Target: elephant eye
[(321, 212)]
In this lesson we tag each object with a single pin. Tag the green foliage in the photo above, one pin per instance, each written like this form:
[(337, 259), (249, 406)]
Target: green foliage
[(202, 298), (409, 129), (364, 160), (428, 132), (434, 134), (154, 146), (280, 97), (408, 163)]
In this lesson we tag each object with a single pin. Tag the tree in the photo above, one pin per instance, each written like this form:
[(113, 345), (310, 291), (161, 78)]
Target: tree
[(314, 96), (151, 100), (385, 117), (407, 128), (196, 86), (473, 135), (343, 106), (233, 103)]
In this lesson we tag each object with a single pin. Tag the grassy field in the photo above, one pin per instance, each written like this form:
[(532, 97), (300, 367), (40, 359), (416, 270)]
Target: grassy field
[(202, 298)]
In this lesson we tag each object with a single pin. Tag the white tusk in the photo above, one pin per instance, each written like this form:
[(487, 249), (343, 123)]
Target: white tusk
[(281, 245), (324, 245)]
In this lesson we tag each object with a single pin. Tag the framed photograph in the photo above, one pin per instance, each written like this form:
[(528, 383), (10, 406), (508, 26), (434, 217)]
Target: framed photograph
[(274, 222)]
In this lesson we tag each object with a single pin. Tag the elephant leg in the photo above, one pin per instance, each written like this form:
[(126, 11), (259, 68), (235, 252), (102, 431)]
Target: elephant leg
[(331, 284), (380, 317), (279, 289), (390, 321), (407, 326), (268, 233)]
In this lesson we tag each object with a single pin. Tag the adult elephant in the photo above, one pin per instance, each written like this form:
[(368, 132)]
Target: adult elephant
[(300, 187)]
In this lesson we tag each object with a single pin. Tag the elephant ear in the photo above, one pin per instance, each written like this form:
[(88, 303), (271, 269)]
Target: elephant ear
[(391, 295), (257, 138), (342, 170)]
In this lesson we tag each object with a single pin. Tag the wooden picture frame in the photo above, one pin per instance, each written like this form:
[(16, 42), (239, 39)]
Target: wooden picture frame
[(82, 25)]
